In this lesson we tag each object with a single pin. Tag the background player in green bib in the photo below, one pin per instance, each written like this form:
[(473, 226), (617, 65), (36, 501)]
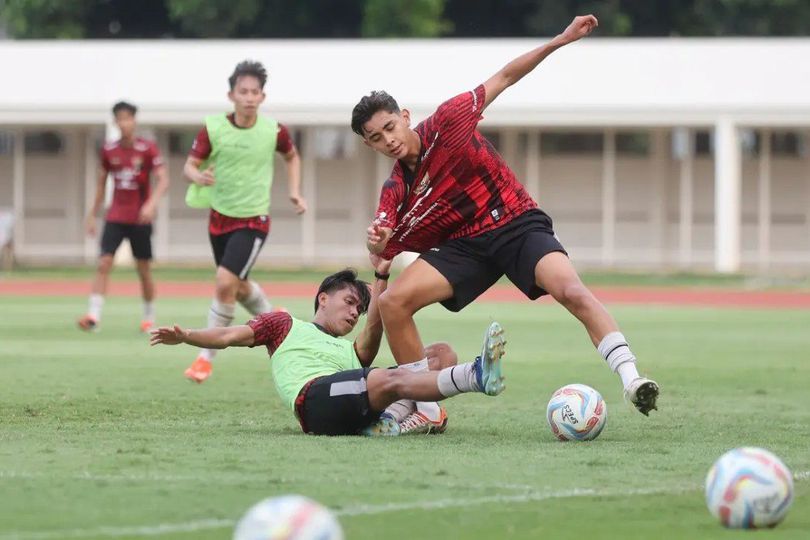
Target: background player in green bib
[(231, 169), (326, 380)]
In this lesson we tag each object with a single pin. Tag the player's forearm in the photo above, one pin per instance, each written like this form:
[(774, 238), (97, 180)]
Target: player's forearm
[(368, 342), (160, 188), (525, 63), (208, 338), (98, 200), (191, 171), (294, 176)]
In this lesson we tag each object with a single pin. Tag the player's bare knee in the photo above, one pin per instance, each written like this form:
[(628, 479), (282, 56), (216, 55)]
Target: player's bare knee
[(395, 382), (105, 264), (575, 296)]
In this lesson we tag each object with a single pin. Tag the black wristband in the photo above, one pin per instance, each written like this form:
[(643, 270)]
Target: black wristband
[(383, 277)]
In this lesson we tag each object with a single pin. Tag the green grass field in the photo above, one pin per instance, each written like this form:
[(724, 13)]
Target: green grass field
[(101, 437)]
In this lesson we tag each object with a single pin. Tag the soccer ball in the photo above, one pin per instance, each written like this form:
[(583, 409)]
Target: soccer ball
[(576, 412), (748, 488), (291, 517)]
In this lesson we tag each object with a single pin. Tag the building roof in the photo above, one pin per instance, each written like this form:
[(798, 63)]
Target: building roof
[(593, 82)]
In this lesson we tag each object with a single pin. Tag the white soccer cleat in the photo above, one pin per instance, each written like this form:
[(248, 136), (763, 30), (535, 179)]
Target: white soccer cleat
[(416, 422), (643, 394)]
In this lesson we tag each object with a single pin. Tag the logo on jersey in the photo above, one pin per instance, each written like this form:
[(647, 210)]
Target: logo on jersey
[(423, 184)]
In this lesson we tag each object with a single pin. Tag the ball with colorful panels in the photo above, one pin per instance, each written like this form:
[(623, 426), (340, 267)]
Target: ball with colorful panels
[(576, 412), (749, 488), (289, 517)]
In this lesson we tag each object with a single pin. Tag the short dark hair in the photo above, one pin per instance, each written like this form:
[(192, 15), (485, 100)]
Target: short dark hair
[(251, 68), (378, 100), (124, 106), (341, 280)]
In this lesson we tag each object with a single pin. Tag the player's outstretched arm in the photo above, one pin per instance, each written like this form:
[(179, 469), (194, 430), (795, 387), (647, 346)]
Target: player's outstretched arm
[(209, 338), (367, 344), (522, 65)]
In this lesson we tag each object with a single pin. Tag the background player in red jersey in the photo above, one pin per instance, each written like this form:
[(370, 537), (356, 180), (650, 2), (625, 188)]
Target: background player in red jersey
[(452, 198), (130, 160)]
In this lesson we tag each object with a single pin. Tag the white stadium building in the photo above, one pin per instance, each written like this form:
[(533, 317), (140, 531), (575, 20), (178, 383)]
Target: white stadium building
[(648, 153)]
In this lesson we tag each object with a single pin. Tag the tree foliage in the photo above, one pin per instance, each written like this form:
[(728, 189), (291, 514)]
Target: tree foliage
[(70, 19)]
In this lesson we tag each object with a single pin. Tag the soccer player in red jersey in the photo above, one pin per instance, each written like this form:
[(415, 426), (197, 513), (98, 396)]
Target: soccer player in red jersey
[(233, 154), (130, 160), (452, 198)]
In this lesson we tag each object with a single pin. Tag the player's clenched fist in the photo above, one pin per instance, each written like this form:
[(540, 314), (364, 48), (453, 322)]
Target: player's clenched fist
[(579, 28)]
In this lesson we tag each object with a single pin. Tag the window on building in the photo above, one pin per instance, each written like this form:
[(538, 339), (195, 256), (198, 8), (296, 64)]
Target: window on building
[(570, 142), (633, 143), (44, 143), (783, 143), (180, 141), (6, 143), (704, 143)]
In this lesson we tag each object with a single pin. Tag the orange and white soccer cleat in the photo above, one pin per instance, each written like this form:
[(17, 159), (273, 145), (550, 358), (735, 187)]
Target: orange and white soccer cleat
[(199, 370), (88, 323), (147, 325), (416, 422)]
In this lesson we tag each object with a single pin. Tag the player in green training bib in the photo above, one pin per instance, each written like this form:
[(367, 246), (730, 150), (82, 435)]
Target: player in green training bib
[(327, 381), (230, 168)]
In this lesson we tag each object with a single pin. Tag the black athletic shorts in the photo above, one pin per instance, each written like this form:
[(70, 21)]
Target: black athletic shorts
[(237, 250), (473, 265), (336, 404), (140, 239)]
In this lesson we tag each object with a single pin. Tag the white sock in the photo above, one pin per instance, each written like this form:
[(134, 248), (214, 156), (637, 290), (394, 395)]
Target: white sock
[(430, 409), (457, 379), (256, 301), (400, 409), (149, 311), (621, 360), (219, 315), (94, 306), (421, 365)]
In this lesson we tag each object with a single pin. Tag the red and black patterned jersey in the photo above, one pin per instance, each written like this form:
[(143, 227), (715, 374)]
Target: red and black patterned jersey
[(130, 168), (270, 329), (461, 186)]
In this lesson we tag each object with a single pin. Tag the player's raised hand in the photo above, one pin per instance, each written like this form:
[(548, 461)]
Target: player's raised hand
[(377, 237), (206, 177), (580, 27), (299, 203), (168, 335)]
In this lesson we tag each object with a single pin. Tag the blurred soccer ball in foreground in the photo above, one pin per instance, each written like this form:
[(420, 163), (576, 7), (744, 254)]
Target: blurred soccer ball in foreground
[(576, 412), (748, 488), (291, 517)]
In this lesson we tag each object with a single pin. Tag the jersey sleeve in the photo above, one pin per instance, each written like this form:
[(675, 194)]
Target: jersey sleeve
[(201, 147), (270, 329), (458, 117), (391, 198), (284, 141)]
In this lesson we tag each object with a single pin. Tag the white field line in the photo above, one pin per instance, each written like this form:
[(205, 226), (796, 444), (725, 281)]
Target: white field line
[(357, 510)]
